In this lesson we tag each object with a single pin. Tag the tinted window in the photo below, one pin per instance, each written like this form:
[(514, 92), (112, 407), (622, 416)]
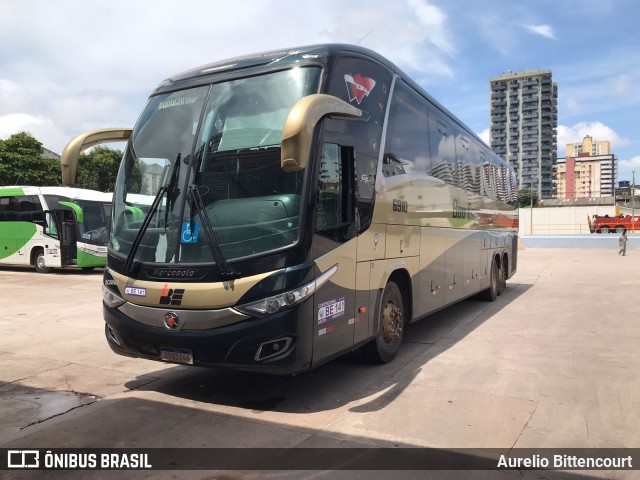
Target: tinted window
[(23, 208), (334, 204), (466, 163), (406, 147), (375, 80), (442, 147)]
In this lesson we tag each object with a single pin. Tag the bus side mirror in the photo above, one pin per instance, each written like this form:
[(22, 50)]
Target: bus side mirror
[(303, 117), (74, 148)]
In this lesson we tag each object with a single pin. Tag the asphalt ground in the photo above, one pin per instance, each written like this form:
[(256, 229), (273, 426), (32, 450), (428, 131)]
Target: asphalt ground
[(552, 364)]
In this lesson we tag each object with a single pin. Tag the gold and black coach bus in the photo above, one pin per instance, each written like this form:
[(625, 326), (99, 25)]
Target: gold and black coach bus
[(274, 211)]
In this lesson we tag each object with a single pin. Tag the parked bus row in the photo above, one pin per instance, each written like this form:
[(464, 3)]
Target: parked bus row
[(50, 227)]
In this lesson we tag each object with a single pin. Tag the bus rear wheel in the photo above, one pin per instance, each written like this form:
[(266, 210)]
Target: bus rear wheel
[(386, 345), (39, 262), (502, 278), (491, 293)]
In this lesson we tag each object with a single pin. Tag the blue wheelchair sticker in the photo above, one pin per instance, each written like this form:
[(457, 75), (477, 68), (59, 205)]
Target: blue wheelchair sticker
[(187, 236)]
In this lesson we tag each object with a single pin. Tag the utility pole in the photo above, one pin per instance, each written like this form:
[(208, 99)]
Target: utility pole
[(531, 212), (633, 201)]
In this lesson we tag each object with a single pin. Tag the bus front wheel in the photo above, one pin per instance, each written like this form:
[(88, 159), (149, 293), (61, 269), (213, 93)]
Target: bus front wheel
[(385, 346), (39, 262)]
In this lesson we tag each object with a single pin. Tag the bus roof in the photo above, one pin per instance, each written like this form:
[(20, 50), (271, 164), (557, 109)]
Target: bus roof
[(318, 54)]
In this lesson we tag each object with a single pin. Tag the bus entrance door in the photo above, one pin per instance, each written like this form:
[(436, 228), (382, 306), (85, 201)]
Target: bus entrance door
[(334, 246), (62, 226)]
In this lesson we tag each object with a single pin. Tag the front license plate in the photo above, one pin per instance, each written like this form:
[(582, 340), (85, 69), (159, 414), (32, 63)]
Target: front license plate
[(179, 355)]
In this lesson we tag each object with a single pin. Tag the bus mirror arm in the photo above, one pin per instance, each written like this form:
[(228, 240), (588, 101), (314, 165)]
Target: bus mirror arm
[(301, 121), (71, 153)]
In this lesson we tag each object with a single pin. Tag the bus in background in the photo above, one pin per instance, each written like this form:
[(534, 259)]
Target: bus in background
[(50, 227), (306, 203)]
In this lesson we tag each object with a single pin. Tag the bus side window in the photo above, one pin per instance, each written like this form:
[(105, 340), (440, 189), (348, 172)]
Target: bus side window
[(335, 211), (406, 149), (29, 209)]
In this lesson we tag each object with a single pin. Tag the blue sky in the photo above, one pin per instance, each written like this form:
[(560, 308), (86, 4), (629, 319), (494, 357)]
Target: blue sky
[(69, 66)]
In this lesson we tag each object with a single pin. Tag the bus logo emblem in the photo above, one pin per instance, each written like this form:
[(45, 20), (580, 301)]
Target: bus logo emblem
[(358, 86), (171, 296), (171, 321)]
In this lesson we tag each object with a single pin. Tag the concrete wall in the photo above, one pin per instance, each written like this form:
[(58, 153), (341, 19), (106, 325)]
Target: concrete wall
[(606, 242), (559, 220)]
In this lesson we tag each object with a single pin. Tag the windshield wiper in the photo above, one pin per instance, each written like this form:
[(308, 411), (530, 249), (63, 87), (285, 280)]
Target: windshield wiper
[(226, 271), (172, 192)]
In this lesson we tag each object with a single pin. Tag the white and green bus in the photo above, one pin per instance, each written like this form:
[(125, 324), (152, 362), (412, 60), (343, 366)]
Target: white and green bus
[(306, 202), (54, 227)]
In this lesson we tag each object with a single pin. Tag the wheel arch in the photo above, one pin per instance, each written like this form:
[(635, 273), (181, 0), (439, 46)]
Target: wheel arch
[(398, 273), (33, 254), (402, 278)]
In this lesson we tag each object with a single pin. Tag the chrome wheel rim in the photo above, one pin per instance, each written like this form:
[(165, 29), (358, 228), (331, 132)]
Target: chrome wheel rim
[(391, 322)]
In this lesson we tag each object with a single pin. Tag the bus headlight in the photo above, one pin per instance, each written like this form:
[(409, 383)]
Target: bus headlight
[(110, 298), (282, 301)]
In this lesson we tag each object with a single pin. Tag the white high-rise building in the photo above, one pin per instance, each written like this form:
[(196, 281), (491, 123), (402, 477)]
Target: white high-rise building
[(524, 121)]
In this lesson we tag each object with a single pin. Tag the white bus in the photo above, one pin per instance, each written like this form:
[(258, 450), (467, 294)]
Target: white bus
[(50, 227), (307, 202)]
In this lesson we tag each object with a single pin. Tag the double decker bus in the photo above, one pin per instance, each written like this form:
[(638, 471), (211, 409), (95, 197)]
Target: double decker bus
[(300, 204), (50, 227)]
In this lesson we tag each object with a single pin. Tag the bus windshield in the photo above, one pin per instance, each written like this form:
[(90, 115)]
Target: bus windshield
[(226, 137), (94, 227)]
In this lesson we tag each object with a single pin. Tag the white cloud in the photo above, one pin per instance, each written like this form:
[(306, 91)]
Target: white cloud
[(99, 68), (630, 164), (596, 130), (485, 136), (542, 30), (18, 122), (433, 20), (621, 84), (41, 127)]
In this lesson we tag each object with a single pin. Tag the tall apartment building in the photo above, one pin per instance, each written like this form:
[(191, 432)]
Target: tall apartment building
[(524, 121), (588, 146), (586, 176)]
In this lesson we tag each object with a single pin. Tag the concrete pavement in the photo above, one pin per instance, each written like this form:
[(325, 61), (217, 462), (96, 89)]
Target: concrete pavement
[(552, 363)]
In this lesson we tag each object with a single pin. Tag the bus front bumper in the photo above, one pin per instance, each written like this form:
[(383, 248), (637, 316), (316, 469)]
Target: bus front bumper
[(278, 344)]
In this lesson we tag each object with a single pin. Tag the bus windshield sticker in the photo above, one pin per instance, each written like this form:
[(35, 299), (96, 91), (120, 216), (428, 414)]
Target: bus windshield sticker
[(358, 86), (330, 310), (136, 292), (186, 236)]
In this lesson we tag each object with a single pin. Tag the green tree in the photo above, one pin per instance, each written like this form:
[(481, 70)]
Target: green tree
[(527, 197), (21, 162), (97, 170)]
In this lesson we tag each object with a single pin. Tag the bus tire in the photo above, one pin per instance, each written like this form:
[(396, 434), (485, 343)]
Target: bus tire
[(386, 345), (491, 293), (502, 278), (39, 262)]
